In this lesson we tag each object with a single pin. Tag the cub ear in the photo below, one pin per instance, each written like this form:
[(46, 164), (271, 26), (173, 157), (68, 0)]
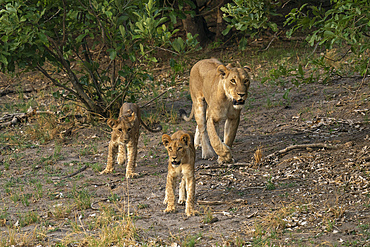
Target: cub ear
[(186, 139), (132, 117), (166, 139), (112, 122), (247, 69), (223, 71)]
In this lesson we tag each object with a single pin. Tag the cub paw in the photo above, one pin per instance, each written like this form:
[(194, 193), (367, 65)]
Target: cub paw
[(132, 175), (170, 209), (121, 159), (106, 171), (181, 201)]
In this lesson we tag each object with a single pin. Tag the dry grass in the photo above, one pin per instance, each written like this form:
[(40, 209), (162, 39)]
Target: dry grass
[(258, 155)]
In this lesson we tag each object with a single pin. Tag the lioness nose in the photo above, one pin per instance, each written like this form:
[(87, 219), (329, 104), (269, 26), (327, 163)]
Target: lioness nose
[(241, 95)]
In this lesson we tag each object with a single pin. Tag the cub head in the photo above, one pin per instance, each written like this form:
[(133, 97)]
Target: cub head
[(176, 148), (122, 128), (235, 82)]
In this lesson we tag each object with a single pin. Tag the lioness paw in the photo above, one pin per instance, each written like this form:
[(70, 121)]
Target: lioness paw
[(181, 201), (225, 160), (191, 212)]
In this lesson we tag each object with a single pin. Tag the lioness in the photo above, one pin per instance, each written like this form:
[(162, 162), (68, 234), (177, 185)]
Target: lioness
[(224, 89), (125, 134), (181, 159)]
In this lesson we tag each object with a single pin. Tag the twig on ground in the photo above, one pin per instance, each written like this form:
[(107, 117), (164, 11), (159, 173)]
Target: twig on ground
[(303, 146), (108, 183), (222, 202), (75, 173)]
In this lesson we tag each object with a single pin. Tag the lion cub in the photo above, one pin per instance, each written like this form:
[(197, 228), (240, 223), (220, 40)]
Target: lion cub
[(181, 160), (125, 135)]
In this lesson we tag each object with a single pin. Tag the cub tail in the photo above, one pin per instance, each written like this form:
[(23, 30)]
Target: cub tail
[(159, 127)]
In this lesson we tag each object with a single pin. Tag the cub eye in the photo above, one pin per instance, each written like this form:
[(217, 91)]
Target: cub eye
[(179, 148), (233, 81), (129, 129), (170, 148), (120, 129)]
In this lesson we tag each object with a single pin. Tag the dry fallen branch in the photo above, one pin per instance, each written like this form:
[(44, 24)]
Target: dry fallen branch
[(12, 119), (303, 146)]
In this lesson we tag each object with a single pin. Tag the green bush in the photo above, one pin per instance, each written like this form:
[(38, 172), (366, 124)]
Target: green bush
[(345, 24), (249, 17), (95, 51)]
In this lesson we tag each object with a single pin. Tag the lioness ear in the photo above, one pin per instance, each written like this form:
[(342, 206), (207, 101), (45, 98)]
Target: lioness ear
[(112, 122), (166, 139), (223, 71), (186, 139)]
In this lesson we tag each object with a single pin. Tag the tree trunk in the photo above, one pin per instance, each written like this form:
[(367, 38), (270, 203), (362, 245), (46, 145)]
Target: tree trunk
[(220, 23), (197, 25)]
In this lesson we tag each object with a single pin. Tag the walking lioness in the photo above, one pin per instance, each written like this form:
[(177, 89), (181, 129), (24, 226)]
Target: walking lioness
[(181, 160), (218, 93), (125, 135)]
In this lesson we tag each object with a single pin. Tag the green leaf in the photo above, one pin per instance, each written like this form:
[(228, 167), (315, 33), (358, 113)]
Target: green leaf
[(122, 31), (300, 70), (113, 54)]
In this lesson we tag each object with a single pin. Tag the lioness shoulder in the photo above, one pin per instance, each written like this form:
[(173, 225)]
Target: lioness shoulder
[(218, 92)]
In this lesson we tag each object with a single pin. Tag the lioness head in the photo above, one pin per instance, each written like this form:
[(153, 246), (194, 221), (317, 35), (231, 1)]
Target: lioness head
[(122, 127), (236, 82), (176, 148)]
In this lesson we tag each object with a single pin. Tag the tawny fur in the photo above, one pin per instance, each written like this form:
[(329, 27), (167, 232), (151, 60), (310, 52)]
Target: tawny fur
[(124, 138), (181, 155), (218, 93)]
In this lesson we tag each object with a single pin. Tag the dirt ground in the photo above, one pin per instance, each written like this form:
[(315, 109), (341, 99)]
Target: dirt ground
[(309, 195)]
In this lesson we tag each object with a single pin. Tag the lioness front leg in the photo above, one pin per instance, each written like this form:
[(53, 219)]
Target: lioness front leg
[(222, 150), (170, 194), (131, 160), (112, 152), (231, 126), (200, 118)]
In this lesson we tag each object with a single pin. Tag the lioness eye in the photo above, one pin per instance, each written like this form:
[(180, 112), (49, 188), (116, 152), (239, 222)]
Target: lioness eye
[(232, 81), (179, 149)]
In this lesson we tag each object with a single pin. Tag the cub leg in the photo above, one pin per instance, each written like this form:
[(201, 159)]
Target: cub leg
[(197, 138), (200, 118), (112, 152), (170, 193), (223, 151), (121, 157), (190, 189), (182, 191), (231, 126), (131, 160)]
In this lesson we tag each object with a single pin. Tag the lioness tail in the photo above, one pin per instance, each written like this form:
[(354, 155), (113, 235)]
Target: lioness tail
[(182, 113)]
